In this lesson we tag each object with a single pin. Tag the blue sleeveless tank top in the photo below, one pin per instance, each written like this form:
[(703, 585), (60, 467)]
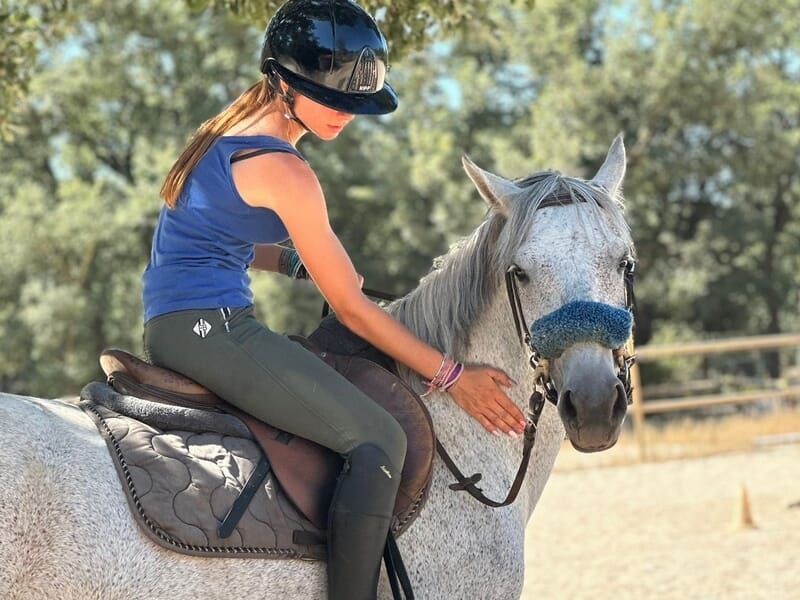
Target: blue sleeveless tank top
[(203, 247)]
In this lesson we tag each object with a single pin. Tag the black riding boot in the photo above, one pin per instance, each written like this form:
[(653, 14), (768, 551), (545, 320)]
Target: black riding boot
[(358, 523)]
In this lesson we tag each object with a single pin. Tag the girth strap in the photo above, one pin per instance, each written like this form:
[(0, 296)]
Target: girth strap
[(242, 501)]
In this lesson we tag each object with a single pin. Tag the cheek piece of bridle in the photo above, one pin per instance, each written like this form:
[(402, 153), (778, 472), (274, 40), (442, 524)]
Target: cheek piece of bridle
[(544, 389)]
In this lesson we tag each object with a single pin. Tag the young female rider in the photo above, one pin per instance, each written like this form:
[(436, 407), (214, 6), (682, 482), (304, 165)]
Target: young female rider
[(239, 188)]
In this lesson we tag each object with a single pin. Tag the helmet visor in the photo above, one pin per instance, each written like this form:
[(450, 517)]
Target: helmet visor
[(381, 102)]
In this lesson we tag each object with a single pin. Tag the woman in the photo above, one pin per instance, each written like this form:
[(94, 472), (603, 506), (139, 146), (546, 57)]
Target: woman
[(239, 188)]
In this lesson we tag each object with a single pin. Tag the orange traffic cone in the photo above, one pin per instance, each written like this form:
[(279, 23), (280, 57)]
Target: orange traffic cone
[(743, 516)]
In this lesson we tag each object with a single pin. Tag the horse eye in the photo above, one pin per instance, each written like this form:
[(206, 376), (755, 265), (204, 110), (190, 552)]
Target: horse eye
[(521, 276)]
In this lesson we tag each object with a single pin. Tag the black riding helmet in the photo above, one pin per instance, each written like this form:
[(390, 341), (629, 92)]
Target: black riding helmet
[(330, 51)]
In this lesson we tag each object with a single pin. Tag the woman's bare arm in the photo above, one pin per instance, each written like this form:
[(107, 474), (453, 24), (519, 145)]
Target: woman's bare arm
[(295, 195)]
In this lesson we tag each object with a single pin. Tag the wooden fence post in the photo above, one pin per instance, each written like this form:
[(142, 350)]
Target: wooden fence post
[(638, 411)]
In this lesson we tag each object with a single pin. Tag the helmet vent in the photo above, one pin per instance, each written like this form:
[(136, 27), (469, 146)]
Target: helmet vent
[(365, 74)]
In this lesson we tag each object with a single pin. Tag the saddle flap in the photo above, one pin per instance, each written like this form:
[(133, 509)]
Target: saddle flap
[(131, 375), (407, 408), (306, 471), (179, 490)]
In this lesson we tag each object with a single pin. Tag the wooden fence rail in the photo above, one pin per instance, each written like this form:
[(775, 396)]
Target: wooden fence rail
[(655, 352)]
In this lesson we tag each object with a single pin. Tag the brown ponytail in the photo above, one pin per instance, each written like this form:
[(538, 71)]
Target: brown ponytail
[(255, 98)]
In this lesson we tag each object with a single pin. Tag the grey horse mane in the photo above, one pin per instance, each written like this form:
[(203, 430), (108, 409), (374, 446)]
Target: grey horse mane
[(447, 302)]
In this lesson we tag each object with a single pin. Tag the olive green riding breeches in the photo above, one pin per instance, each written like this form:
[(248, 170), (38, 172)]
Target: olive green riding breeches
[(274, 379)]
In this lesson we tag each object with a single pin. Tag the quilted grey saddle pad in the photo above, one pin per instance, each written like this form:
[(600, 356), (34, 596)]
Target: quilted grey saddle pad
[(181, 484)]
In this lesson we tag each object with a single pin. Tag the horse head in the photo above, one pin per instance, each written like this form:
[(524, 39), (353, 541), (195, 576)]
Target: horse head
[(565, 243)]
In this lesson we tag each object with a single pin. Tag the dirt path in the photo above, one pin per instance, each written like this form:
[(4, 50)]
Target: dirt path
[(666, 531)]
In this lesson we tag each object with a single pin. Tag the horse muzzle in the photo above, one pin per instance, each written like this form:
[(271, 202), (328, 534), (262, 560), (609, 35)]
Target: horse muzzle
[(592, 395)]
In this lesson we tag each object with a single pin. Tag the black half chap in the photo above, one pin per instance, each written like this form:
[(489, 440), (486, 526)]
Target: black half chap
[(265, 374)]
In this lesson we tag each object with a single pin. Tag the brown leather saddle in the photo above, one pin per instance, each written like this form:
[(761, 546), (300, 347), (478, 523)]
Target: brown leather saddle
[(305, 471)]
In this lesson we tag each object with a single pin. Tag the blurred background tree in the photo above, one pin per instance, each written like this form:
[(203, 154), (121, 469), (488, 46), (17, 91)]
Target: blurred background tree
[(25, 27), (99, 97)]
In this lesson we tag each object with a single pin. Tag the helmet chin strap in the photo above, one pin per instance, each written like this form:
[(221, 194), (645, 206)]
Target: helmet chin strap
[(274, 80), (288, 99)]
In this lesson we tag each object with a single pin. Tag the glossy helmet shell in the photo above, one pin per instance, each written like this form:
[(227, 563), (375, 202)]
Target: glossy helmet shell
[(332, 52)]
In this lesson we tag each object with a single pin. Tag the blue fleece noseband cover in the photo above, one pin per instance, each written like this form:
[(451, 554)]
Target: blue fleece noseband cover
[(581, 321)]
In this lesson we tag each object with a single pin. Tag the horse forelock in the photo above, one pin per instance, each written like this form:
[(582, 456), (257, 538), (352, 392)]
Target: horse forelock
[(596, 205), (463, 282)]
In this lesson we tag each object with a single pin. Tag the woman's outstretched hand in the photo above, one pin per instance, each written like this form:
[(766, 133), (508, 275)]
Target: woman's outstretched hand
[(479, 393)]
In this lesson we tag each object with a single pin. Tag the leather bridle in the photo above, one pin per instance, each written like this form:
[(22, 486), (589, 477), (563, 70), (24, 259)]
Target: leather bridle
[(544, 388), (540, 365)]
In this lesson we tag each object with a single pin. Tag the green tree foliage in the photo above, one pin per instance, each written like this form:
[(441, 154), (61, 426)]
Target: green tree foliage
[(706, 93), (407, 24), (25, 27), (107, 114)]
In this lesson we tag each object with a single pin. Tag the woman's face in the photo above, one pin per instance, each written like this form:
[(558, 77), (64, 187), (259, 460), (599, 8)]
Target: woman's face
[(326, 123)]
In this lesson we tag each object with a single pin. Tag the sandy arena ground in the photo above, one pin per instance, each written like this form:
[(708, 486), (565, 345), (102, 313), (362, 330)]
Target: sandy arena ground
[(667, 530)]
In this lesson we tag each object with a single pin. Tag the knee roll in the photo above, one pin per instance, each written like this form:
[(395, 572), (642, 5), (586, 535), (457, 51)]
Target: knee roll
[(369, 482), (387, 435)]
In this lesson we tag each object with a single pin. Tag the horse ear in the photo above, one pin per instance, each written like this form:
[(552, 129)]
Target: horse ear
[(612, 172), (496, 191)]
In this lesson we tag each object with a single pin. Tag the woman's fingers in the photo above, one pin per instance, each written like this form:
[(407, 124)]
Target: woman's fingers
[(503, 419), (495, 423), (508, 413), (479, 394), (500, 377), (486, 419), (487, 425), (507, 420)]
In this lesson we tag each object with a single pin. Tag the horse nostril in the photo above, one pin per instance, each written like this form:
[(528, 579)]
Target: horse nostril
[(620, 404), (567, 406)]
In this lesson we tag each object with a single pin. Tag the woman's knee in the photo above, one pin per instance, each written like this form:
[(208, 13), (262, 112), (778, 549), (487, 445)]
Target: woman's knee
[(397, 443), (389, 436)]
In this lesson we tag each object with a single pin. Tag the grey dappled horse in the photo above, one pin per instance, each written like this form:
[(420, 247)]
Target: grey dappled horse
[(67, 531)]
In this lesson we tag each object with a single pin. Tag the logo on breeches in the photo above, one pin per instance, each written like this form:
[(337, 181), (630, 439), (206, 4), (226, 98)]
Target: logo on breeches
[(202, 327)]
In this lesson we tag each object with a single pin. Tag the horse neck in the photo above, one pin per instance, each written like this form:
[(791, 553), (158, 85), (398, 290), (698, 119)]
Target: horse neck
[(492, 338), (492, 341)]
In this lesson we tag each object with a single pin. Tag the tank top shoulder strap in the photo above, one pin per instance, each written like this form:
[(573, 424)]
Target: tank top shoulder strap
[(242, 147), (252, 153)]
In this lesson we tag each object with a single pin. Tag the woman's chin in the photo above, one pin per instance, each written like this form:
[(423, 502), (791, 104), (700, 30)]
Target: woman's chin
[(330, 132)]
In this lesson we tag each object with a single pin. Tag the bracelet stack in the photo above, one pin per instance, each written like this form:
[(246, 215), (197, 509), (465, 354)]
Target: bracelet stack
[(446, 377)]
